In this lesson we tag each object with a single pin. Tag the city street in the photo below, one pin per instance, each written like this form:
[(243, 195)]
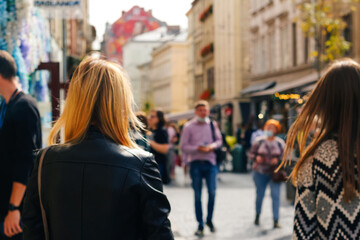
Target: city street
[(234, 210)]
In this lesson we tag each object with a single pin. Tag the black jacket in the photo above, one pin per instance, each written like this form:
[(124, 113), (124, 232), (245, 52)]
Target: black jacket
[(20, 137), (97, 189)]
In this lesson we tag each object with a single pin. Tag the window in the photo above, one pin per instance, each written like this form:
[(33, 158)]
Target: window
[(257, 57), (284, 46), (263, 56), (198, 86), (210, 78), (348, 31), (271, 51), (306, 50), (255, 65), (294, 44)]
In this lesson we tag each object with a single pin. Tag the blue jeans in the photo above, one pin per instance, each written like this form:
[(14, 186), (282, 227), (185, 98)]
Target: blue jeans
[(163, 173), (261, 182), (198, 171)]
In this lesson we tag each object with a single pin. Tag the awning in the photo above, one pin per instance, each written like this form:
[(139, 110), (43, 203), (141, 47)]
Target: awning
[(257, 87), (284, 86), (180, 116), (308, 88)]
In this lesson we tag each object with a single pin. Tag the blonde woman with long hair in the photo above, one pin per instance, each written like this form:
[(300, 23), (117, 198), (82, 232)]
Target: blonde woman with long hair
[(327, 205), (97, 184)]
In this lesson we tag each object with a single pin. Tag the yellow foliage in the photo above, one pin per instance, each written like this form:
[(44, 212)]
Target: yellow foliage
[(314, 53)]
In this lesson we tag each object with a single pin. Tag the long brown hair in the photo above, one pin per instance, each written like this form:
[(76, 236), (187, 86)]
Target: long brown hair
[(99, 94), (334, 108)]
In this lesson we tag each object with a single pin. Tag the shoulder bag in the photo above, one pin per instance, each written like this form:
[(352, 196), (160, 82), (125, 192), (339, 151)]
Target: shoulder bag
[(219, 152)]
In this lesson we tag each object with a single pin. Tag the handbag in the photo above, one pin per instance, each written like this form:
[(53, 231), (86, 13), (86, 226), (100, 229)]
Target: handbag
[(219, 152), (280, 175), (43, 214)]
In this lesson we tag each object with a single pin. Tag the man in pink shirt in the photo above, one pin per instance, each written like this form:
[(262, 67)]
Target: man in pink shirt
[(198, 143)]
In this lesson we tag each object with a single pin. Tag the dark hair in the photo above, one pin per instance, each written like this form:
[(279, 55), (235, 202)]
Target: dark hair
[(161, 116), (7, 65), (334, 107), (142, 118)]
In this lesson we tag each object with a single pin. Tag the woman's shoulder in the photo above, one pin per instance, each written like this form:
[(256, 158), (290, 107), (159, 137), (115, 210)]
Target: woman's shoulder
[(325, 155), (305, 175), (100, 151), (280, 141), (327, 152)]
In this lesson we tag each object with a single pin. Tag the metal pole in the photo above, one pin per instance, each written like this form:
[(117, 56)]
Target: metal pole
[(64, 50)]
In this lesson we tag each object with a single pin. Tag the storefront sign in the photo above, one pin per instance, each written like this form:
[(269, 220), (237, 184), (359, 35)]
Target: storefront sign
[(287, 96)]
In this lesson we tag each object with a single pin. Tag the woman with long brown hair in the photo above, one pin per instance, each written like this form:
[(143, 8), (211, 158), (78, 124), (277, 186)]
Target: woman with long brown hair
[(327, 174), (97, 184)]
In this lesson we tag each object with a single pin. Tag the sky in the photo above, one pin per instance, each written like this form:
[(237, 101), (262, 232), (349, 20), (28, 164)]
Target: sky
[(170, 11)]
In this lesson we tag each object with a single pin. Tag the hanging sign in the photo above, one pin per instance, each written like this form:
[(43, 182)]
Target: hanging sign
[(63, 9)]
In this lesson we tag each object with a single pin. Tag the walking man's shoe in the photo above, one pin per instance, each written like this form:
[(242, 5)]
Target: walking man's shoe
[(211, 226), (257, 220), (276, 224), (200, 231)]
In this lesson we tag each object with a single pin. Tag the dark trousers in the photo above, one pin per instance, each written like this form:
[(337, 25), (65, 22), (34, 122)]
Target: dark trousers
[(16, 237), (200, 170)]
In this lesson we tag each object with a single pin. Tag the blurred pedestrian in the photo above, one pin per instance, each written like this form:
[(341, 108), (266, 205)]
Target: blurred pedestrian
[(159, 142), (97, 184), (327, 173), (238, 133), (266, 154), (198, 144), (258, 132), (173, 136), (20, 136), (225, 147), (141, 135)]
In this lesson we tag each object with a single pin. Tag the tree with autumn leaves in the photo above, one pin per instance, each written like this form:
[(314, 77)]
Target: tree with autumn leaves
[(323, 21)]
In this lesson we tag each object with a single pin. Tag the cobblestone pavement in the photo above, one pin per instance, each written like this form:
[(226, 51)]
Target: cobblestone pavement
[(234, 210)]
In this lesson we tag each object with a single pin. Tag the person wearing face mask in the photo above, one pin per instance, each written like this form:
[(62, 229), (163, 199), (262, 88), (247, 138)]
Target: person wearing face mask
[(199, 138), (266, 154)]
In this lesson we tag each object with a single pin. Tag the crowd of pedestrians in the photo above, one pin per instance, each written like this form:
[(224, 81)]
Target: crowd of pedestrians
[(102, 174)]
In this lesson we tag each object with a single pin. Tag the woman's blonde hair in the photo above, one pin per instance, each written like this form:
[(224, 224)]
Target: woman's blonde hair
[(100, 95)]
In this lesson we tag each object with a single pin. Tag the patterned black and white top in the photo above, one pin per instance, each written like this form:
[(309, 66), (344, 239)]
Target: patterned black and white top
[(320, 210)]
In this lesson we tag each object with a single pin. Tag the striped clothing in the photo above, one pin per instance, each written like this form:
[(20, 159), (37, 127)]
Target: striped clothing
[(320, 210)]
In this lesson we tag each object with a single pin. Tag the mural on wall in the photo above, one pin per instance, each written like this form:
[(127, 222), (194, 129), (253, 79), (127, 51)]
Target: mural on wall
[(133, 22)]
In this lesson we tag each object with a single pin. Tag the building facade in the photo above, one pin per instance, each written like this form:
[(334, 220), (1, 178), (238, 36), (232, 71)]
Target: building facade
[(168, 75), (131, 23), (218, 47), (79, 37), (137, 51), (282, 68)]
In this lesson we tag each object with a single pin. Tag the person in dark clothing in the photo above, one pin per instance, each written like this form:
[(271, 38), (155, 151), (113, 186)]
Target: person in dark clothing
[(247, 143), (20, 136), (140, 137), (238, 133), (97, 184), (159, 142)]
